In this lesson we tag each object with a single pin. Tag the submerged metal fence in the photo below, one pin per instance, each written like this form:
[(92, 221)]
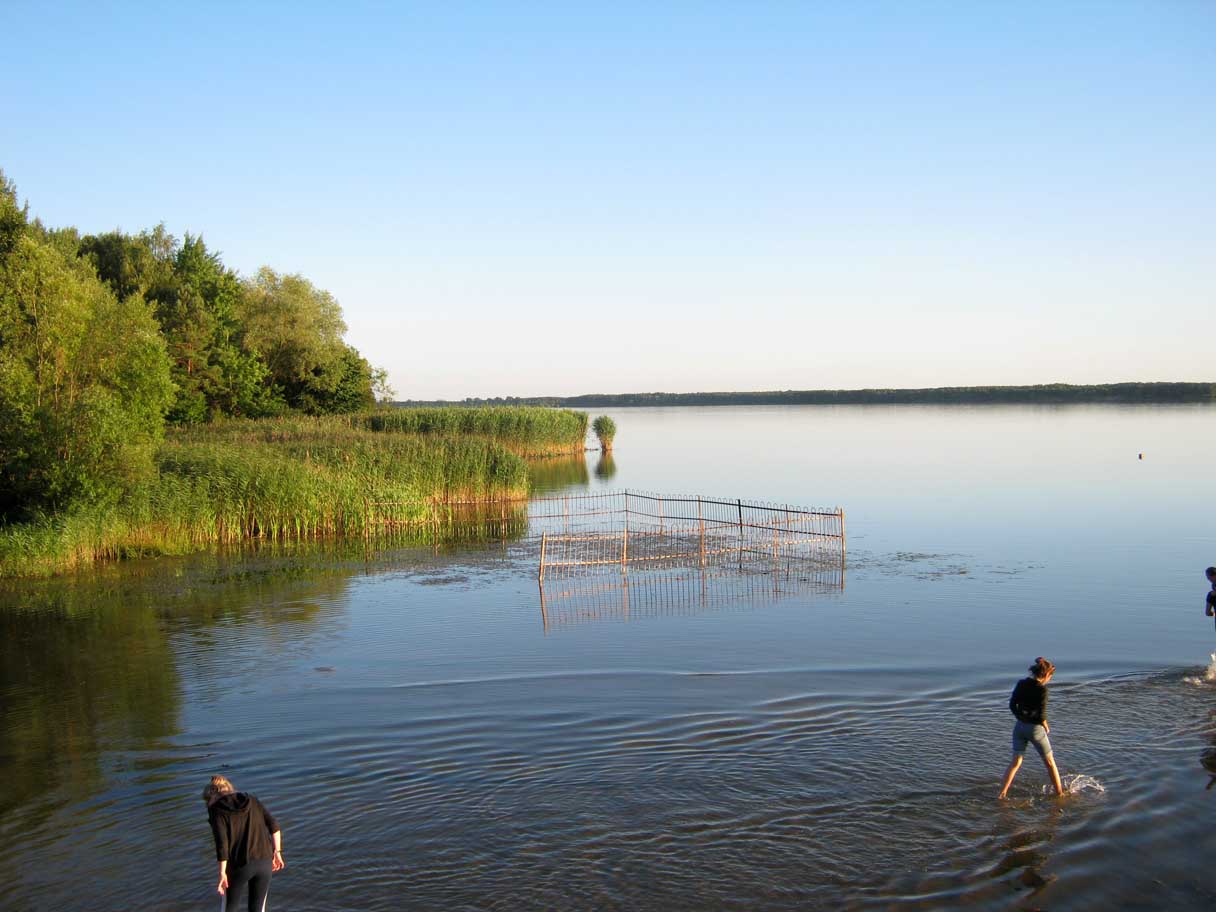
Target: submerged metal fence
[(621, 530)]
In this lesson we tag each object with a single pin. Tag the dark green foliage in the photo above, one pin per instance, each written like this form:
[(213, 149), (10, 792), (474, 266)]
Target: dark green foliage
[(341, 387), (197, 302), (296, 329), (13, 218), (84, 380), (104, 337)]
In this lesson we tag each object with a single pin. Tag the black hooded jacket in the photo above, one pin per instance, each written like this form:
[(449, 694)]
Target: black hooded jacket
[(242, 829), (1029, 701)]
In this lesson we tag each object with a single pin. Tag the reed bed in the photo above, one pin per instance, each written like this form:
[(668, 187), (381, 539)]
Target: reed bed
[(286, 479), (524, 430)]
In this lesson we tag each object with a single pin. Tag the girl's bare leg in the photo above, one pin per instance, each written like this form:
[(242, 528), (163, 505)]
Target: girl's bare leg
[(1014, 765), (1050, 760)]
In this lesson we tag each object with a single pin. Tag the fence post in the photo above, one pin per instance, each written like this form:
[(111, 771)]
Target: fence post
[(701, 523), (544, 540), (625, 540), (840, 513), (739, 503)]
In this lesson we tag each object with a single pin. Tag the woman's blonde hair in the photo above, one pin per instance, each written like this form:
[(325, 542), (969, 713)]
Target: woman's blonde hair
[(219, 785)]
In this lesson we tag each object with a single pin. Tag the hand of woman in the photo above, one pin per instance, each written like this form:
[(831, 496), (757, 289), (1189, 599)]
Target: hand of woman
[(223, 887), (278, 864)]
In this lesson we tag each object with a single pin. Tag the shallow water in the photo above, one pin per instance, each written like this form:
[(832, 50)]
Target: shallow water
[(430, 740)]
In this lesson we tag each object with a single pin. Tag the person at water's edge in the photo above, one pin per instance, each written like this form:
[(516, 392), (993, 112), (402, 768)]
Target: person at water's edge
[(248, 844), (1210, 604), (1028, 703)]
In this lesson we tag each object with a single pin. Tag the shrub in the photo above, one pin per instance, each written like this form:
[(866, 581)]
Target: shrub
[(605, 430)]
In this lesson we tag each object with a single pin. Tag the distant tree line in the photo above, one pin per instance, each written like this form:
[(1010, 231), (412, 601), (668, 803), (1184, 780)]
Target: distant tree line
[(961, 395), (104, 338)]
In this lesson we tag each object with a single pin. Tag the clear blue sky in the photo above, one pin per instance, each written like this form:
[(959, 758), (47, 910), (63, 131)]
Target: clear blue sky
[(519, 199)]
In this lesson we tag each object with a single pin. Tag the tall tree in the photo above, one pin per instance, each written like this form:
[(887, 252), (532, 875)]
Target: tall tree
[(297, 329), (196, 301), (84, 378)]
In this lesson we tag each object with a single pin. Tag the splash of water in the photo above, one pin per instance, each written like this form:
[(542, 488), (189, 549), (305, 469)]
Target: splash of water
[(1079, 782), (1076, 784), (1208, 676)]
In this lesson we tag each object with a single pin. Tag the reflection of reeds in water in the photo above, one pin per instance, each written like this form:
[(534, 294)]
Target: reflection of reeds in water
[(463, 523), (674, 593), (606, 467), (557, 473)]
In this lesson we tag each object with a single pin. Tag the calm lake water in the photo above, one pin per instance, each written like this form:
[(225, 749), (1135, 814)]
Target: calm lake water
[(429, 742)]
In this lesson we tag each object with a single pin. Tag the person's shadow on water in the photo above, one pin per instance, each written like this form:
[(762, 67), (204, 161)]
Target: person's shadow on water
[(1208, 758)]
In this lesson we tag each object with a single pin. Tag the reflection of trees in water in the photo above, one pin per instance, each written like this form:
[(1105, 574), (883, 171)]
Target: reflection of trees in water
[(557, 472), (93, 666), (78, 678)]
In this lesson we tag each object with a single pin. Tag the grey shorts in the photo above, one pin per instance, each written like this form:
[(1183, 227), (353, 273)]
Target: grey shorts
[(1026, 733)]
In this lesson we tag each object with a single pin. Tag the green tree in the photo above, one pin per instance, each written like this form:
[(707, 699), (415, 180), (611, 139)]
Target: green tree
[(297, 330), (13, 218), (84, 379), (196, 300)]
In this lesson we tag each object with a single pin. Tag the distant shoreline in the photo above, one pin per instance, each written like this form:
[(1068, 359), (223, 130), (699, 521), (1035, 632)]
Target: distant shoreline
[(1142, 393)]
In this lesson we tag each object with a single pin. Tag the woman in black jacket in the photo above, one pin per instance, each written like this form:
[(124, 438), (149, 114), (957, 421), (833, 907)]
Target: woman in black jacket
[(248, 844), (1028, 703)]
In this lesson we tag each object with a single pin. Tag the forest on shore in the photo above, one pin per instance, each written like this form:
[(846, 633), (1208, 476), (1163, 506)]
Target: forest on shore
[(1048, 393), (154, 401)]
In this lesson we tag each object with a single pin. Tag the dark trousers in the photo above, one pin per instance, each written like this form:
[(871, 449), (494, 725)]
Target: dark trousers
[(255, 875)]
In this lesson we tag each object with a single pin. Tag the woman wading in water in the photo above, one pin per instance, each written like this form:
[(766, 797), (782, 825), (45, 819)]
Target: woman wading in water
[(248, 844), (1028, 703)]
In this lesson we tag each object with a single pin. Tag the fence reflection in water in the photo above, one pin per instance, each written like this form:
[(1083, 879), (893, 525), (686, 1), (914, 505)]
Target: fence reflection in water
[(669, 593)]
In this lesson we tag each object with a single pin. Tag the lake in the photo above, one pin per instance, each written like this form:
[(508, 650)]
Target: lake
[(429, 740)]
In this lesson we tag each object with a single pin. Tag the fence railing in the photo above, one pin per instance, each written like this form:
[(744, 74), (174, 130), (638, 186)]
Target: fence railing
[(631, 529), (615, 531)]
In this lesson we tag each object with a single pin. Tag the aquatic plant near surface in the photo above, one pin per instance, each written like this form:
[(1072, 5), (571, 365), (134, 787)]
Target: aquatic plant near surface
[(605, 430)]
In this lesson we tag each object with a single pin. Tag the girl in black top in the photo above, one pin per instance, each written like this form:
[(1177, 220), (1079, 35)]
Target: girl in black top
[(248, 844), (1028, 703), (1209, 605)]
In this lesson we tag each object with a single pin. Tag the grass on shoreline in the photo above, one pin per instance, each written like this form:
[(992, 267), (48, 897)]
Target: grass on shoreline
[(290, 479)]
